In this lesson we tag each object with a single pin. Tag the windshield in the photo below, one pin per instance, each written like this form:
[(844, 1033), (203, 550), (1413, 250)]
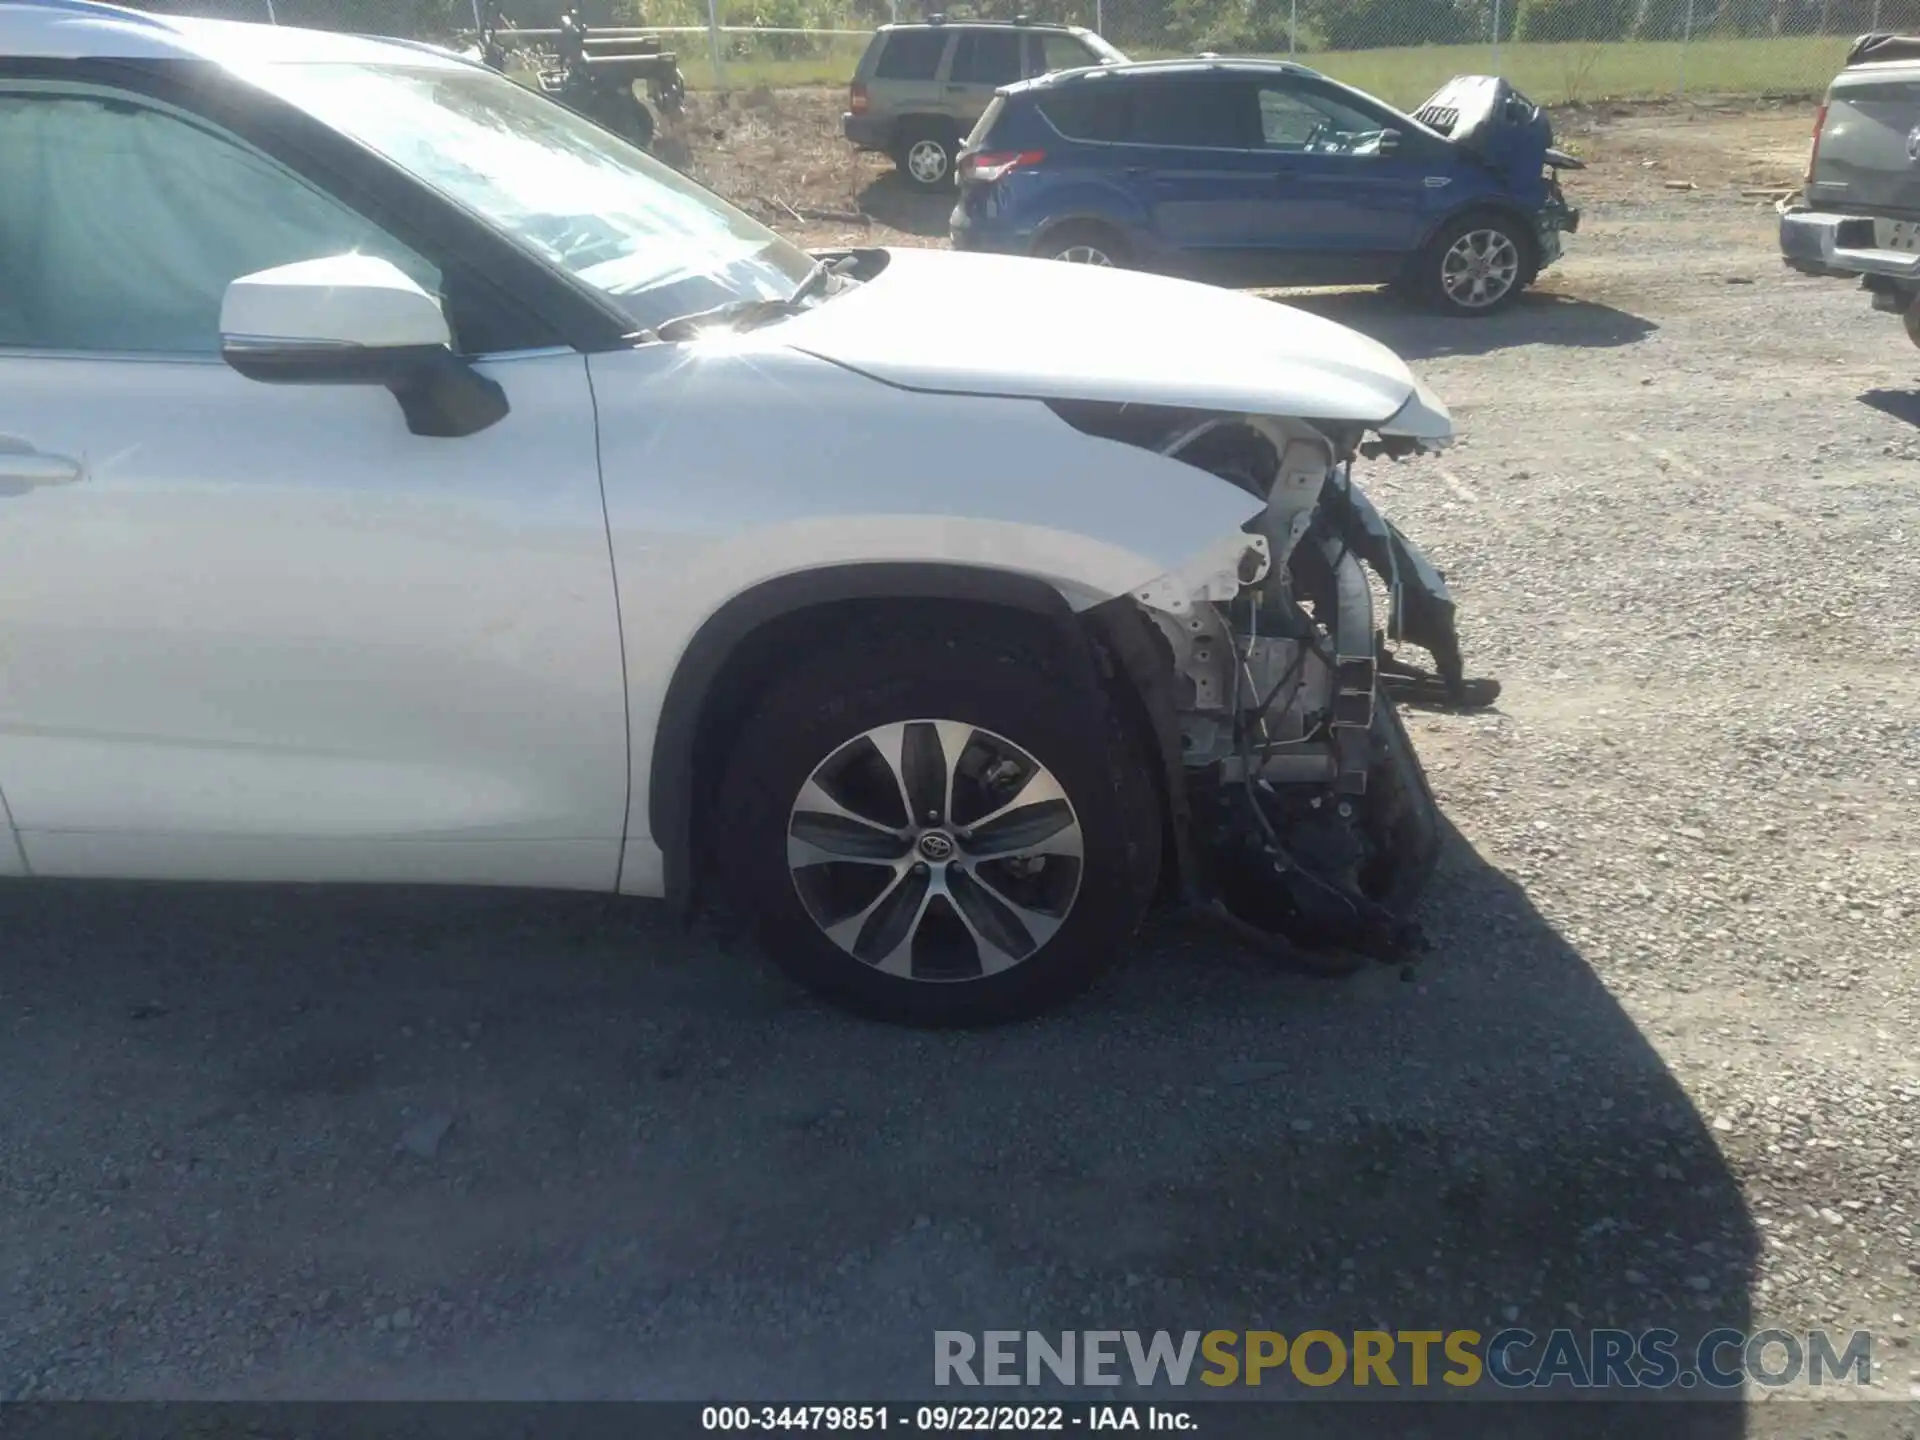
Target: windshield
[(650, 239)]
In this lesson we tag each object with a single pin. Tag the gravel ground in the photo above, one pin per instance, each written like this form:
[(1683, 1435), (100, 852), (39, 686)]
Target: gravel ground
[(1660, 1068)]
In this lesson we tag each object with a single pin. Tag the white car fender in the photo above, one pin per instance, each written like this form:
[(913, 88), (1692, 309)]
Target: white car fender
[(703, 505)]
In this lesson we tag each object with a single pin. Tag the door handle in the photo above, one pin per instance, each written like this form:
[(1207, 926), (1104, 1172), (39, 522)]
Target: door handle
[(24, 468), (955, 89)]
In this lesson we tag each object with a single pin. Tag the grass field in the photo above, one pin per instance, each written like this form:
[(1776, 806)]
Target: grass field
[(1551, 74)]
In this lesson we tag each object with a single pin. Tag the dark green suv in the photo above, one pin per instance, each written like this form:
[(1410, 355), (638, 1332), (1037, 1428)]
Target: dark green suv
[(919, 88)]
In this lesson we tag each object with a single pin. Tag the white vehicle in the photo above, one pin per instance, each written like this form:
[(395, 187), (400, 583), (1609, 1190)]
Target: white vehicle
[(403, 479)]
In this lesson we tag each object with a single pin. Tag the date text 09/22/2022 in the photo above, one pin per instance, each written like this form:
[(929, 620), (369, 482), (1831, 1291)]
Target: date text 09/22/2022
[(944, 1419)]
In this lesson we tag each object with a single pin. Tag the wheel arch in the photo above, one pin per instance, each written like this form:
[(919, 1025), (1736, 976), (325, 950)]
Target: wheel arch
[(910, 125), (738, 649), (1487, 203), (1126, 228)]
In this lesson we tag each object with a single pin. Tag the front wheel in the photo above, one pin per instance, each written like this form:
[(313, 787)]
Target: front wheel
[(922, 831), (1477, 265)]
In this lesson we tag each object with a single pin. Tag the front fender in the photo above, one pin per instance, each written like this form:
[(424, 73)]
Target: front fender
[(733, 465)]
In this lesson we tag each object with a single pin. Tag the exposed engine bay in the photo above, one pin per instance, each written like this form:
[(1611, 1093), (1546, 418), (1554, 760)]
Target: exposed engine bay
[(1309, 824)]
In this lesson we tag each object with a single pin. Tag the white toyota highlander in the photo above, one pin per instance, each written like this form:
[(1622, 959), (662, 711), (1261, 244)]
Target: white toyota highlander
[(403, 479)]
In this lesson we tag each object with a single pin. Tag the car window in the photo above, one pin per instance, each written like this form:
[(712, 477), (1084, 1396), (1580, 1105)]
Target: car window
[(121, 225), (1051, 52), (911, 55), (986, 57), (1094, 111), (1305, 120), (1195, 114)]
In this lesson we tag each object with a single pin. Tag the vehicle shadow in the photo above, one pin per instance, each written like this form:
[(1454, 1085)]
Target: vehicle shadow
[(893, 202), (1537, 318), (665, 1173), (1901, 405)]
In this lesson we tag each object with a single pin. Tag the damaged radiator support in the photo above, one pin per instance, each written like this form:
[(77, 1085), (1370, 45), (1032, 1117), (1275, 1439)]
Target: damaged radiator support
[(1310, 826)]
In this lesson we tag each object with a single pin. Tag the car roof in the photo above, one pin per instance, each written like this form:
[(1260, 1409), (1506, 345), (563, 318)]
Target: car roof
[(1186, 65), (84, 30), (945, 24)]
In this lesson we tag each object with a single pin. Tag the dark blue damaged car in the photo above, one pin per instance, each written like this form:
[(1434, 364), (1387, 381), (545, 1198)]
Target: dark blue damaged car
[(1266, 173)]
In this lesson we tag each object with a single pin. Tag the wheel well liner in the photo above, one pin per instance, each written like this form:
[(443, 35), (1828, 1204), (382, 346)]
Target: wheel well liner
[(742, 644)]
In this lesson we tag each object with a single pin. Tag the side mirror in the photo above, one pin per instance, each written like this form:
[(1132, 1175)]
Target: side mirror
[(1389, 143), (356, 320)]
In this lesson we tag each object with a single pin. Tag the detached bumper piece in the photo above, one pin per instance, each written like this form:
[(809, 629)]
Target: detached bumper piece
[(1422, 609)]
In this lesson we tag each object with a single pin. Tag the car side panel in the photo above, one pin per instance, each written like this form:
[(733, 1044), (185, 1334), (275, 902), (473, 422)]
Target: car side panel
[(1354, 205), (730, 463), (1015, 215), (1207, 205), (269, 634), (13, 860)]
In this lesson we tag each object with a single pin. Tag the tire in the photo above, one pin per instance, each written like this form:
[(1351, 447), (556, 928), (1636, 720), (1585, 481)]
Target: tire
[(1910, 318), (1083, 242), (813, 746), (622, 112), (670, 94), (1444, 270), (926, 154)]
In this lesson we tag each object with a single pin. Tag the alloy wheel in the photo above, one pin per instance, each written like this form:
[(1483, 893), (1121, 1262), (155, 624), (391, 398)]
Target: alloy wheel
[(1479, 269), (1084, 255), (935, 850), (927, 161)]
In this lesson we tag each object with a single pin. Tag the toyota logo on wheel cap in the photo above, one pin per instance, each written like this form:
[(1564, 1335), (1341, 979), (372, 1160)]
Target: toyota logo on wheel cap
[(936, 847)]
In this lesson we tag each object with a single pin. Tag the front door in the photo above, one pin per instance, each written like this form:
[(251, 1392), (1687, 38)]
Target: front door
[(1332, 206), (1193, 152), (263, 631)]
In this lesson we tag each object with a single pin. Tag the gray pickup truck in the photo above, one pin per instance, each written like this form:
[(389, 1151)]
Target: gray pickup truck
[(1858, 216)]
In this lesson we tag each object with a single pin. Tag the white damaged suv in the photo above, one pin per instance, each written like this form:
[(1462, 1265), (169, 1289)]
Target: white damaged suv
[(403, 479)]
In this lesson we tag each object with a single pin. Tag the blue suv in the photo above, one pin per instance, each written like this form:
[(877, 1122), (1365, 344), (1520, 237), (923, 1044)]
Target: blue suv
[(1258, 172)]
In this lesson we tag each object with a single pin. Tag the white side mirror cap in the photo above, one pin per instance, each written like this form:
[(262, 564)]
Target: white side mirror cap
[(358, 300)]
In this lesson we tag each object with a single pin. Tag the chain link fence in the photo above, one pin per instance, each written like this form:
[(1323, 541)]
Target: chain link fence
[(1557, 51)]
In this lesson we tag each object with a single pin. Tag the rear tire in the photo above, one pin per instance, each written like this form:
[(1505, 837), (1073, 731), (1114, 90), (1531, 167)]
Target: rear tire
[(926, 154), (968, 718), (1083, 243)]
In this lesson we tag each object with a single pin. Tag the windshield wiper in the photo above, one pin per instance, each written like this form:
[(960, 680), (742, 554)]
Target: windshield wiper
[(815, 282), (745, 314)]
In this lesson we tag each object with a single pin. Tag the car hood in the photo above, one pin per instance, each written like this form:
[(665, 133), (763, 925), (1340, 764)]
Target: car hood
[(994, 325)]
